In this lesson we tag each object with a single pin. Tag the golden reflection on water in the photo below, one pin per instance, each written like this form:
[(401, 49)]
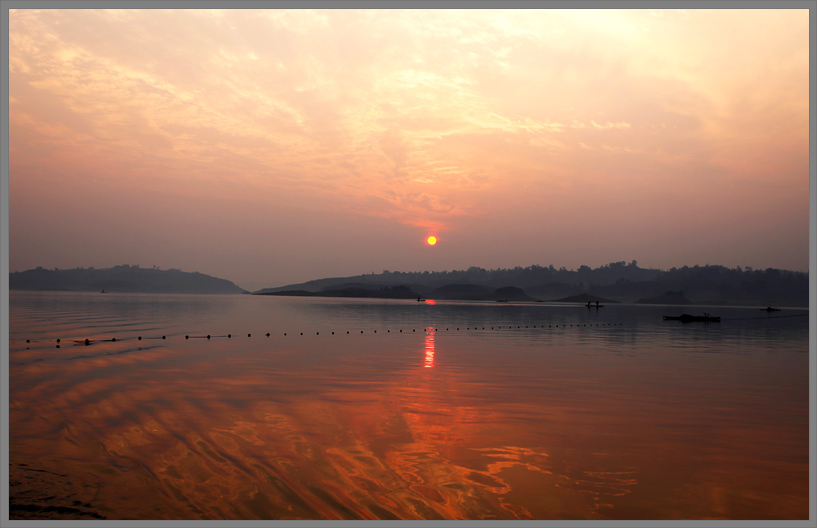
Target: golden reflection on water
[(214, 440), (429, 348), (221, 430)]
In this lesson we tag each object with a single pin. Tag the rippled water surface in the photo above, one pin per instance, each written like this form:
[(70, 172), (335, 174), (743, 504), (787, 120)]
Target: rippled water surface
[(382, 409)]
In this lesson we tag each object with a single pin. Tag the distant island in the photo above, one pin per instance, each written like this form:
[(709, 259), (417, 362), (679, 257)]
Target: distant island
[(617, 282), (122, 279)]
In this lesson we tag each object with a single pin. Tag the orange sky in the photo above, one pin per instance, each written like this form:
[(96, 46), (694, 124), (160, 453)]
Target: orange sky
[(275, 146)]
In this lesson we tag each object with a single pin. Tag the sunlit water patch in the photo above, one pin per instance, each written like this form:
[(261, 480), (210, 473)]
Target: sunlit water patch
[(361, 409)]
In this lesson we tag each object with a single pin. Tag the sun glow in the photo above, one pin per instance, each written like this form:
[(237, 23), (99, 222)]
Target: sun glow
[(431, 240)]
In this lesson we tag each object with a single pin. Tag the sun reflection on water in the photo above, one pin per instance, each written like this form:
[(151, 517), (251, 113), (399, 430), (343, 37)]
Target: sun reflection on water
[(429, 348)]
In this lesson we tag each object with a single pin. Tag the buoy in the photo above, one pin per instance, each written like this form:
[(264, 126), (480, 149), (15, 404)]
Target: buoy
[(28, 340), (164, 337), (249, 335), (87, 341), (140, 338), (186, 337), (267, 334), (229, 336), (58, 340), (114, 339), (208, 336)]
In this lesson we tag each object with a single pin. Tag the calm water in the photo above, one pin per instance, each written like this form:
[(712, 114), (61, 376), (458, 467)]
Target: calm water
[(408, 411)]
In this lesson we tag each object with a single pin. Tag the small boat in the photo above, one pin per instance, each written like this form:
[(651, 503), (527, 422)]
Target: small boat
[(770, 309), (594, 305), (686, 318), (103, 291)]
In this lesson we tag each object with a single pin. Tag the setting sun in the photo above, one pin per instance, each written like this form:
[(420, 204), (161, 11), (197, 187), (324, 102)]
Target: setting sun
[(431, 240)]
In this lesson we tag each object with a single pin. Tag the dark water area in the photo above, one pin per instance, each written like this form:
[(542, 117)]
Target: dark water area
[(393, 409)]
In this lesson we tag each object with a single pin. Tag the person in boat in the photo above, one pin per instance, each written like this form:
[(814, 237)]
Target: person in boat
[(588, 304), (597, 303)]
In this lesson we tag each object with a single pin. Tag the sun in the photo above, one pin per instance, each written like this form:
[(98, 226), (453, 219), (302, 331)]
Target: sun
[(431, 240)]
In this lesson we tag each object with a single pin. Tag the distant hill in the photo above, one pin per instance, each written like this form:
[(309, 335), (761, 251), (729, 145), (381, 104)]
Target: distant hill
[(461, 292), (614, 282), (452, 292), (585, 298), (393, 292), (511, 293), (123, 279), (669, 297)]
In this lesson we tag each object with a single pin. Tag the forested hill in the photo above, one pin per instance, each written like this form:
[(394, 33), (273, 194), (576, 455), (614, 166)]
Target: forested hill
[(125, 279), (619, 281)]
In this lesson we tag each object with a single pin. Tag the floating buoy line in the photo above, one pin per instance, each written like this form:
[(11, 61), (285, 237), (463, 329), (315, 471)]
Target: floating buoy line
[(187, 337), (89, 341)]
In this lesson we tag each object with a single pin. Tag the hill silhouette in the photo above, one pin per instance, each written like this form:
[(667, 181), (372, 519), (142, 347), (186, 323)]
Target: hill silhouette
[(669, 297), (614, 282), (585, 298), (124, 279), (460, 292)]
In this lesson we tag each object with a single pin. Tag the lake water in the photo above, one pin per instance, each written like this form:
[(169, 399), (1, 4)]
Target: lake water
[(387, 409)]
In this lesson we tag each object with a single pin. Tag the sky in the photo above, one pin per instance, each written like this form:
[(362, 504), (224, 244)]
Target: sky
[(270, 147)]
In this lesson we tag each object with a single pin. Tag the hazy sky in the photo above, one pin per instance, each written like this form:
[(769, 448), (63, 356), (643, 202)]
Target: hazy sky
[(275, 146)]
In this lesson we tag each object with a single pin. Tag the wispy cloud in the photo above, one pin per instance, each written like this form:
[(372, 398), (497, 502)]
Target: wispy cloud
[(420, 117)]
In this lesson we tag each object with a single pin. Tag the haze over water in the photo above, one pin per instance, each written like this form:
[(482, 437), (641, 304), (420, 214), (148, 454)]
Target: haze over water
[(421, 411)]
